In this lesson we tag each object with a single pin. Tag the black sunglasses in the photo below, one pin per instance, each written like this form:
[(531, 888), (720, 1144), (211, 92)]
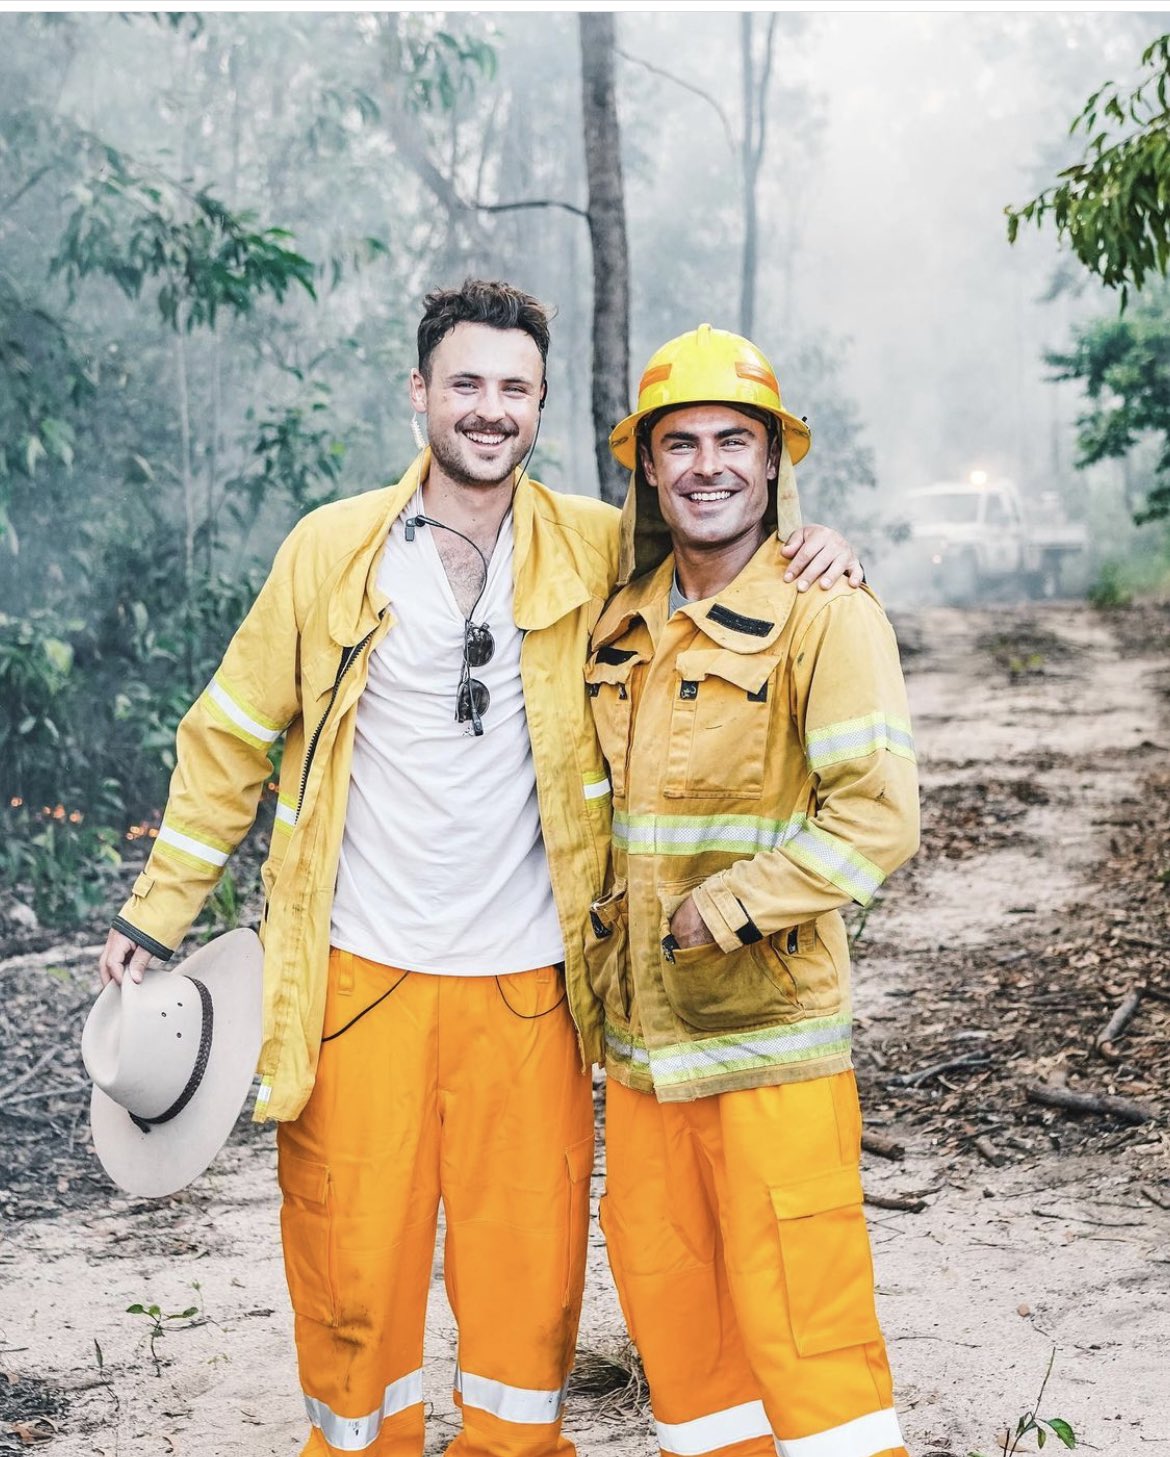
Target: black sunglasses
[(474, 699)]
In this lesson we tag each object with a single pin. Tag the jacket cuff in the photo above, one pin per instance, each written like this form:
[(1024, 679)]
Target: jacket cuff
[(140, 938), (725, 916)]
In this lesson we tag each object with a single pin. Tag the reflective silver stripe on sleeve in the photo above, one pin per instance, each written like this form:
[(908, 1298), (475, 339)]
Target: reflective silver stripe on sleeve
[(598, 789), (190, 846), (355, 1434), (717, 1429), (239, 716), (621, 1046), (864, 1437), (521, 1404), (856, 738), (839, 863)]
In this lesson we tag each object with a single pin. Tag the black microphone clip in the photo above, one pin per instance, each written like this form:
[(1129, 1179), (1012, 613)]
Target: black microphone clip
[(411, 523)]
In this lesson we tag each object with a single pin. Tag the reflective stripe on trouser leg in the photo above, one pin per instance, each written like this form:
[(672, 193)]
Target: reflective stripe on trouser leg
[(727, 1163), (786, 1165), (359, 1170), (517, 1150), (666, 1257)]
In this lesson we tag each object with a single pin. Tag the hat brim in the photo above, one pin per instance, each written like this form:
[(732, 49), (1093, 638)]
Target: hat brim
[(172, 1154), (623, 438)]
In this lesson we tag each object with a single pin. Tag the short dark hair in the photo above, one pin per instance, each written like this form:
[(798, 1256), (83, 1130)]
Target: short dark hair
[(478, 301)]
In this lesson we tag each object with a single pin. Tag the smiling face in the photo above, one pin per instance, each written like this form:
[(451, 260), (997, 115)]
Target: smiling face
[(481, 397), (711, 466)]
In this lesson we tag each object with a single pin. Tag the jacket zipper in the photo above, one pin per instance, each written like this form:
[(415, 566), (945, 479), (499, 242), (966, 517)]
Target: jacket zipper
[(348, 655)]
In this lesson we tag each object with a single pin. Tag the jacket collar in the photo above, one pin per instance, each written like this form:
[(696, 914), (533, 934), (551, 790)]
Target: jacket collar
[(547, 585), (355, 600), (747, 616)]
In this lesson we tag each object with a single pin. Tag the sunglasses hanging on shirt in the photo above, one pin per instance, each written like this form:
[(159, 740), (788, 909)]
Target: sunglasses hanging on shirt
[(473, 699)]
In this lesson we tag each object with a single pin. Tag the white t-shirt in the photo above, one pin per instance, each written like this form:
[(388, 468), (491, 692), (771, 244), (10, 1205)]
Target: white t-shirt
[(443, 867)]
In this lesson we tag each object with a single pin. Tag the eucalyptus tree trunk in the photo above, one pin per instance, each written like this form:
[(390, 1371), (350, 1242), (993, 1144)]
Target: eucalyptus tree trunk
[(755, 124), (607, 232)]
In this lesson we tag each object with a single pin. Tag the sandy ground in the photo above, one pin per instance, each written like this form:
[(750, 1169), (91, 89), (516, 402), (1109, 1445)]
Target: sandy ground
[(975, 1292)]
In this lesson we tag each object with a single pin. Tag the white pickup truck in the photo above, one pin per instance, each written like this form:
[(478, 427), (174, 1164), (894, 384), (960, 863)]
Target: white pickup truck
[(971, 536)]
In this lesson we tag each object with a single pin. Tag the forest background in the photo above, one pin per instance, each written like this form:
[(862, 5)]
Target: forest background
[(216, 231)]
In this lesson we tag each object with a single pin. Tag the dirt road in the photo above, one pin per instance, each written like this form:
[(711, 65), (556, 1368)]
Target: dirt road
[(1039, 731)]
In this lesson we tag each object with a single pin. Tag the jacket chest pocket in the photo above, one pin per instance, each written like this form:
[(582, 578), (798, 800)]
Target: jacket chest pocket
[(719, 718), (609, 683)]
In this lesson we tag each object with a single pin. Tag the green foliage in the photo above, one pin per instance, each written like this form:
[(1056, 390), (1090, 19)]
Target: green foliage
[(204, 257), (1108, 590), (439, 68), (36, 669), (62, 866), (1124, 364), (161, 1323), (297, 451), (1113, 207), (1030, 1424)]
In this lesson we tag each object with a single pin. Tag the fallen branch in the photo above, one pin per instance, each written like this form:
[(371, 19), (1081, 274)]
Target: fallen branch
[(882, 1145), (64, 1090), (1120, 1020), (984, 1146), (912, 1080), (1127, 1109), (30, 1073), (907, 1203)]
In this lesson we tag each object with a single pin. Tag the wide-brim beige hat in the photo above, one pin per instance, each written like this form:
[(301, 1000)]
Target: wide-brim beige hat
[(172, 1059)]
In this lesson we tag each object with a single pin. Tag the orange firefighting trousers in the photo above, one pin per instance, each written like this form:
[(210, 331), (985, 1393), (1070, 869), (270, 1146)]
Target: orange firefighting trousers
[(469, 1090), (739, 1249)]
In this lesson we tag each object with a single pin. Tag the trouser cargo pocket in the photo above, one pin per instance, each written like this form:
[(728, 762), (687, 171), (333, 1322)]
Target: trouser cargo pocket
[(306, 1236), (828, 1272)]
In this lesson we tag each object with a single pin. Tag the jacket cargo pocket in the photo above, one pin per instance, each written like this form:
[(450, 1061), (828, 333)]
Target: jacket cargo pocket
[(306, 1234), (716, 990), (608, 684), (607, 952), (828, 1272), (719, 724), (800, 961), (579, 1164)]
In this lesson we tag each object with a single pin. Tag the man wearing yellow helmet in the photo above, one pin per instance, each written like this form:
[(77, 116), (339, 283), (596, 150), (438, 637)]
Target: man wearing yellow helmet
[(763, 774)]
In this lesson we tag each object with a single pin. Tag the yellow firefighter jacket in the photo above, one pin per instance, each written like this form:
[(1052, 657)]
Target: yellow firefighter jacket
[(296, 668), (761, 759)]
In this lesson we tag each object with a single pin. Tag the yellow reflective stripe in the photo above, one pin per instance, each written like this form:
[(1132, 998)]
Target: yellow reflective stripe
[(710, 1057), (857, 738), (247, 717), (286, 814), (836, 862), (197, 851), (597, 786), (626, 1046), (729, 834), (239, 717), (224, 719)]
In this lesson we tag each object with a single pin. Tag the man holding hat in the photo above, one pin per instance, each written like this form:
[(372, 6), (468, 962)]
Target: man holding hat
[(442, 827), (763, 772)]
